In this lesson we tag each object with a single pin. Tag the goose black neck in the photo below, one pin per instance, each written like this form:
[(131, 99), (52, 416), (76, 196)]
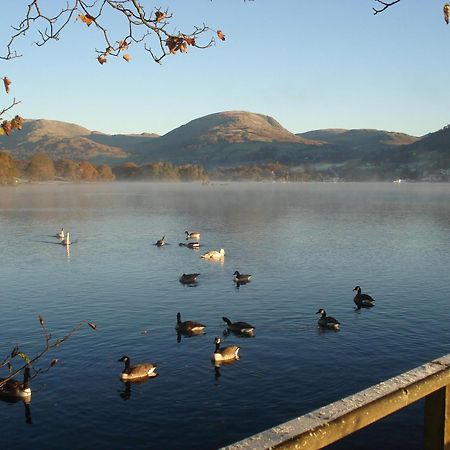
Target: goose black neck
[(127, 363), (26, 378), (178, 318), (217, 350), (226, 320)]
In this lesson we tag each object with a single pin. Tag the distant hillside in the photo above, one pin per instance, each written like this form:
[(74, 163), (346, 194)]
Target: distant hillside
[(60, 140), (359, 142), (226, 138)]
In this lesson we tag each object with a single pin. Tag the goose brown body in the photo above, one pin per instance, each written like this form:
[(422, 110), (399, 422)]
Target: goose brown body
[(11, 388), (143, 370), (239, 327), (363, 300), (189, 278), (226, 353), (327, 321), (189, 326), (192, 234)]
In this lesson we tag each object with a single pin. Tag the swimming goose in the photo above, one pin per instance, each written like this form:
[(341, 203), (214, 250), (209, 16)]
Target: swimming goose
[(15, 389), (189, 326), (189, 278), (143, 370), (224, 354), (60, 234), (241, 277), (191, 245), (363, 300), (214, 254), (161, 242), (327, 321), (239, 327), (192, 235)]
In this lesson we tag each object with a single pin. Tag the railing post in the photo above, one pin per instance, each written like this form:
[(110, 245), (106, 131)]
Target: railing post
[(437, 420)]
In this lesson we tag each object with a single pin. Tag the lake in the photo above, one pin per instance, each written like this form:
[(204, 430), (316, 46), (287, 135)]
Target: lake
[(307, 245)]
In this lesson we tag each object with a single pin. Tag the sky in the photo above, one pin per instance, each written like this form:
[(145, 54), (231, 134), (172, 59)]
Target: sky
[(309, 64)]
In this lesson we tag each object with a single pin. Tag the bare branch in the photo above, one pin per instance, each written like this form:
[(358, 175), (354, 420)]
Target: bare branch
[(48, 345), (14, 103), (140, 26), (385, 6)]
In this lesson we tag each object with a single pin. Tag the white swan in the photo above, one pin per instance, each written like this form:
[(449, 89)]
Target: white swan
[(66, 241), (214, 254)]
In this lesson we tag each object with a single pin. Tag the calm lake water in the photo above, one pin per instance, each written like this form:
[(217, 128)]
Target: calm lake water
[(307, 246)]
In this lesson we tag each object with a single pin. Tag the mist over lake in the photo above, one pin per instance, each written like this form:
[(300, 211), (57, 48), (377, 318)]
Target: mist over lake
[(307, 245)]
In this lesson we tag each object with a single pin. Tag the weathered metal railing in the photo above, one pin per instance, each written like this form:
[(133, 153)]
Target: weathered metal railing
[(339, 419)]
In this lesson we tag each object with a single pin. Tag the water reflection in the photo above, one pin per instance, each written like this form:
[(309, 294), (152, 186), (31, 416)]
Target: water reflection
[(218, 365), (26, 404), (188, 334), (125, 394)]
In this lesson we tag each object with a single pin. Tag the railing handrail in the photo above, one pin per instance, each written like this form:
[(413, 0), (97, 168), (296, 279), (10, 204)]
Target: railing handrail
[(343, 417)]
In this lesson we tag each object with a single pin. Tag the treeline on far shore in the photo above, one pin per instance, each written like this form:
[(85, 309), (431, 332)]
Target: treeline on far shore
[(42, 168)]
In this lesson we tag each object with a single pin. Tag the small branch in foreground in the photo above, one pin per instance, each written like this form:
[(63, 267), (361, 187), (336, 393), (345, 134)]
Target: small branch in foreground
[(48, 345)]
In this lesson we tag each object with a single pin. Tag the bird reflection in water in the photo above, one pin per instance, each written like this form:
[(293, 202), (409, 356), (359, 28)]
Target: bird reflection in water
[(26, 404), (218, 365), (189, 334), (125, 394)]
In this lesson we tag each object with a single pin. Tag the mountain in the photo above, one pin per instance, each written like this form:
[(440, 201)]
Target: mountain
[(62, 140), (234, 138), (361, 143), (226, 138)]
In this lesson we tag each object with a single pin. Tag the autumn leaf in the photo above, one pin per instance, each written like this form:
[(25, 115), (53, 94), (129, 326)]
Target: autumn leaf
[(109, 50), (160, 16), (102, 59), (16, 123), (87, 19), (127, 57), (92, 325), (189, 40), (6, 82), (123, 46), (41, 320), (24, 356), (54, 362), (6, 127), (447, 13), (220, 35), (2, 131)]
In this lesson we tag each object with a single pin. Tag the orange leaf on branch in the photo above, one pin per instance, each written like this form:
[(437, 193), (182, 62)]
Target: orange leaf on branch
[(127, 57), (447, 13), (220, 35), (123, 46), (160, 16), (102, 59), (6, 82), (87, 19)]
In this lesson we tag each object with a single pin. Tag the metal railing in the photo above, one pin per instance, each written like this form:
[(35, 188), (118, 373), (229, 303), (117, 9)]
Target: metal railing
[(342, 418)]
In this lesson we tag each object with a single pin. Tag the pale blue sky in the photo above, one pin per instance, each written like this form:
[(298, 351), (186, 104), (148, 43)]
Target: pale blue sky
[(309, 64)]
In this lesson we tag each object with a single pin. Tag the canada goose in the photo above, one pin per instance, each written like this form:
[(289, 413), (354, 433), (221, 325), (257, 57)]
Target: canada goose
[(189, 326), (327, 321), (60, 234), (189, 278), (192, 235), (239, 327), (142, 370), (363, 300), (241, 277), (191, 245), (161, 242), (214, 254), (15, 389), (226, 353), (66, 242)]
